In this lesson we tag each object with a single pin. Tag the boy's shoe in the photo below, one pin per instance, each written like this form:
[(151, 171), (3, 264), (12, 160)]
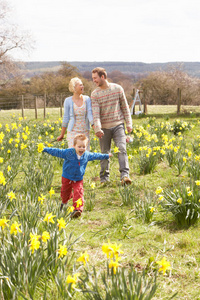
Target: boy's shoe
[(75, 214), (126, 181), (61, 206)]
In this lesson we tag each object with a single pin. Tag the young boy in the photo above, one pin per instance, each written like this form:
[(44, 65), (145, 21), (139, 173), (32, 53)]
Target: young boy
[(74, 165)]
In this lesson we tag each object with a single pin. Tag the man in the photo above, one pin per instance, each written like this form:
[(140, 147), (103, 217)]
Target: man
[(110, 111)]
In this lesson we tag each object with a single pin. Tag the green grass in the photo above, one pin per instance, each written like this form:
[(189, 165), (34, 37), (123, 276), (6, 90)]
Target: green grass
[(110, 220)]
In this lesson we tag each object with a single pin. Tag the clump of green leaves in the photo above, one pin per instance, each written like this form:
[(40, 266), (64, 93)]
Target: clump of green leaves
[(183, 203)]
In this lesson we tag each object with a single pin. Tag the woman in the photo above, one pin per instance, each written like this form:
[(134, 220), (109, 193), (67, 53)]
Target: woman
[(77, 113)]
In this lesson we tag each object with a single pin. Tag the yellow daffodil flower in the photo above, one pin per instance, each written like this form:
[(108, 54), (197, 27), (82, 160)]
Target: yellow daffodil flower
[(49, 218), (62, 251), (70, 209), (51, 192), (45, 236), (11, 195), (114, 265), (159, 190), (72, 279), (41, 198), (83, 258), (79, 202), (61, 223), (4, 222), (40, 147), (2, 178), (116, 150), (165, 265), (92, 185), (179, 200), (15, 228)]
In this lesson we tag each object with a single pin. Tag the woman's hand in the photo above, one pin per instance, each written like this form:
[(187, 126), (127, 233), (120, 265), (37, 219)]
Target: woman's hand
[(100, 134), (60, 138)]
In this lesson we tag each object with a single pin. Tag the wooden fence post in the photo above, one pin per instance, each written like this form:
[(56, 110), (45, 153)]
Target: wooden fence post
[(36, 107), (61, 106), (145, 104), (23, 106), (45, 102), (178, 101), (133, 101)]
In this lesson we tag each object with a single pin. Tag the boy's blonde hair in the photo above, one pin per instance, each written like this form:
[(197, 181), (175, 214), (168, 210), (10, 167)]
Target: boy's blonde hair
[(73, 83), (81, 137)]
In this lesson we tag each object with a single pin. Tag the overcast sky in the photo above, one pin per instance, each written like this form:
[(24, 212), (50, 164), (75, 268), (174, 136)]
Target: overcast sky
[(110, 30)]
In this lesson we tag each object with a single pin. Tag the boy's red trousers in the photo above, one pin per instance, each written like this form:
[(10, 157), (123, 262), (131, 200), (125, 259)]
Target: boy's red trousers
[(72, 189)]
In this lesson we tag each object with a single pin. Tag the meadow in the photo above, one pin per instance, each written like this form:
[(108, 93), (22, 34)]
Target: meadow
[(131, 242)]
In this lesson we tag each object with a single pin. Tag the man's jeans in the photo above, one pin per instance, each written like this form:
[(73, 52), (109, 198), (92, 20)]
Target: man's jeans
[(118, 135)]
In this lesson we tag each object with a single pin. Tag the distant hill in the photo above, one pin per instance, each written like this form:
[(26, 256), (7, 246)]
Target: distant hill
[(34, 68)]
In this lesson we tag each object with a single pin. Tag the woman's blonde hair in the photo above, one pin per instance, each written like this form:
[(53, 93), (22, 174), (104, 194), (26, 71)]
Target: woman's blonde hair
[(73, 83)]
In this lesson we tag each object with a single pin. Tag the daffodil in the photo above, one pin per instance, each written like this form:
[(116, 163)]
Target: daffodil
[(61, 223), (111, 250), (45, 236), (92, 185), (70, 209), (72, 279), (165, 265), (2, 178), (79, 202), (40, 147), (4, 222), (62, 251), (179, 200), (11, 195), (114, 265), (159, 190), (197, 182), (83, 258), (41, 198), (116, 149), (34, 242), (49, 218), (51, 192), (15, 228), (152, 209)]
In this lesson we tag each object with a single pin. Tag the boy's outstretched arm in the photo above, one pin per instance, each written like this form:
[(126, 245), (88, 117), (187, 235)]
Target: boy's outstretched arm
[(98, 156), (56, 152)]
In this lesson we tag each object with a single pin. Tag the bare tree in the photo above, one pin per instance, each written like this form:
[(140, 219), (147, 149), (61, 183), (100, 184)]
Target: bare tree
[(10, 38)]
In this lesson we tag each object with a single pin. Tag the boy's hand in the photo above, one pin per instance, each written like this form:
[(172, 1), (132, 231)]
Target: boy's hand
[(110, 154)]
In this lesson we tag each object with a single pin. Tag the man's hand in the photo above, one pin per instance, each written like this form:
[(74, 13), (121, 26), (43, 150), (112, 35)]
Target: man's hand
[(129, 129), (99, 134)]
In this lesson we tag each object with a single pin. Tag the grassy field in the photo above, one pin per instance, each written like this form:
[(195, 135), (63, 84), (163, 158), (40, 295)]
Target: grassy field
[(54, 113), (132, 217)]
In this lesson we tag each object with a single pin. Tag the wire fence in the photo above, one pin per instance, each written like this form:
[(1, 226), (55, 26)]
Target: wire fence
[(23, 102)]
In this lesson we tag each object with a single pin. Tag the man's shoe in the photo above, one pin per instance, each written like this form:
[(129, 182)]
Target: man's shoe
[(126, 181), (75, 214)]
